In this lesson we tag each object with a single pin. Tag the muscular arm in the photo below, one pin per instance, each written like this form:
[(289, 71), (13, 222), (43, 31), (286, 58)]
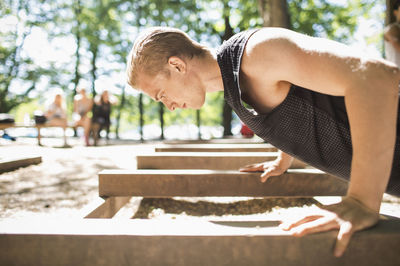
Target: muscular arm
[(368, 85)]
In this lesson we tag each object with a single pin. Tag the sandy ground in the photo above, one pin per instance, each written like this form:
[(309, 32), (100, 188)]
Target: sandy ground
[(65, 184)]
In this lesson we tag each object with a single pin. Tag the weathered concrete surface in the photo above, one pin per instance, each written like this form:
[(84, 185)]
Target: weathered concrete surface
[(166, 242), (199, 183), (10, 164), (206, 160), (215, 148)]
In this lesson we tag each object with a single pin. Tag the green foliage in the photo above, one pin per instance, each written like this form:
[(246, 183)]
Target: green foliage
[(26, 109), (323, 18)]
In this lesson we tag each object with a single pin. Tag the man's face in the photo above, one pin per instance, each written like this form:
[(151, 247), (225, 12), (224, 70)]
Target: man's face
[(179, 89)]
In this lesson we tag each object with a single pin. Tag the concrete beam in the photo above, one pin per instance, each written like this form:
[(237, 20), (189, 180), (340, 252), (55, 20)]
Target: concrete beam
[(203, 183), (227, 140), (216, 148), (109, 207), (10, 164), (206, 160), (179, 242)]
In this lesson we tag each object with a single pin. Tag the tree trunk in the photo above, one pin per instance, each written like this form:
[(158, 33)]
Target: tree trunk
[(120, 108), (12, 72), (389, 12), (274, 13), (141, 109), (94, 50), (77, 77), (198, 121), (161, 112), (141, 113), (227, 110)]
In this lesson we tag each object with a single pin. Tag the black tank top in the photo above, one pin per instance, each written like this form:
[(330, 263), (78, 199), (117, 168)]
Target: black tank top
[(308, 125)]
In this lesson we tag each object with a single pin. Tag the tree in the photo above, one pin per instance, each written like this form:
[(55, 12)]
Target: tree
[(323, 18), (389, 12), (274, 13), (17, 69), (77, 8), (227, 109)]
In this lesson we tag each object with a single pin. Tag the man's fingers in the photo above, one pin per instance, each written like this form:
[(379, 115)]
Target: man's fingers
[(267, 174), (343, 238), (288, 225), (264, 176), (252, 168), (270, 171), (316, 226)]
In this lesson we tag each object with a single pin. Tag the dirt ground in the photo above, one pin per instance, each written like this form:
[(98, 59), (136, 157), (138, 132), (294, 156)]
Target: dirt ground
[(65, 183)]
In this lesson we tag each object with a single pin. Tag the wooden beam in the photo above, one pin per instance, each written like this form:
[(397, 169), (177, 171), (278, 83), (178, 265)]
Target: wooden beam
[(182, 242), (6, 125), (109, 207), (254, 140), (215, 148), (10, 164), (203, 183), (206, 160)]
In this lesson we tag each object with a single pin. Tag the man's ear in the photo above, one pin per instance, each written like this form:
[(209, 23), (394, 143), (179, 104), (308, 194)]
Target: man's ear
[(177, 64)]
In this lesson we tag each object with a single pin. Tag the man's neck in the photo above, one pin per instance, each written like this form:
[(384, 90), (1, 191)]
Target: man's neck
[(208, 70)]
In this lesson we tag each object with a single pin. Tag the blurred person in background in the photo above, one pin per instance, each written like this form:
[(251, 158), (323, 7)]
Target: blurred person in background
[(56, 115), (101, 114), (82, 106)]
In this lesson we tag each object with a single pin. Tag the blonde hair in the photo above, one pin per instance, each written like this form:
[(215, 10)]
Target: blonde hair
[(153, 48)]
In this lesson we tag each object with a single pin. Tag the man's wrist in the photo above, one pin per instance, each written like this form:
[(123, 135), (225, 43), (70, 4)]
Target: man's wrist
[(359, 203), (371, 202)]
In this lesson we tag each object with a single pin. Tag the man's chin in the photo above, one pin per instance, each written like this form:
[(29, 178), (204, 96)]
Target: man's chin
[(197, 107)]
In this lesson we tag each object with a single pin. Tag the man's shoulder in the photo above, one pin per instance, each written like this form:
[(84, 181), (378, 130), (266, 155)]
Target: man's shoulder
[(238, 40), (393, 27), (392, 31)]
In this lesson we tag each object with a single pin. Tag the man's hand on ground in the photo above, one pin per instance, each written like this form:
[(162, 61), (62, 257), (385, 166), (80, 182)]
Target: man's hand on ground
[(271, 168), (348, 216)]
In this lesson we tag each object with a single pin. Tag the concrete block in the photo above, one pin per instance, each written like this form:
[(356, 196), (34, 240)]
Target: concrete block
[(181, 242), (206, 160), (216, 148), (203, 183)]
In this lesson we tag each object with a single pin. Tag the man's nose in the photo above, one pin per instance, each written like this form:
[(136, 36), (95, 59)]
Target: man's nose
[(170, 106)]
